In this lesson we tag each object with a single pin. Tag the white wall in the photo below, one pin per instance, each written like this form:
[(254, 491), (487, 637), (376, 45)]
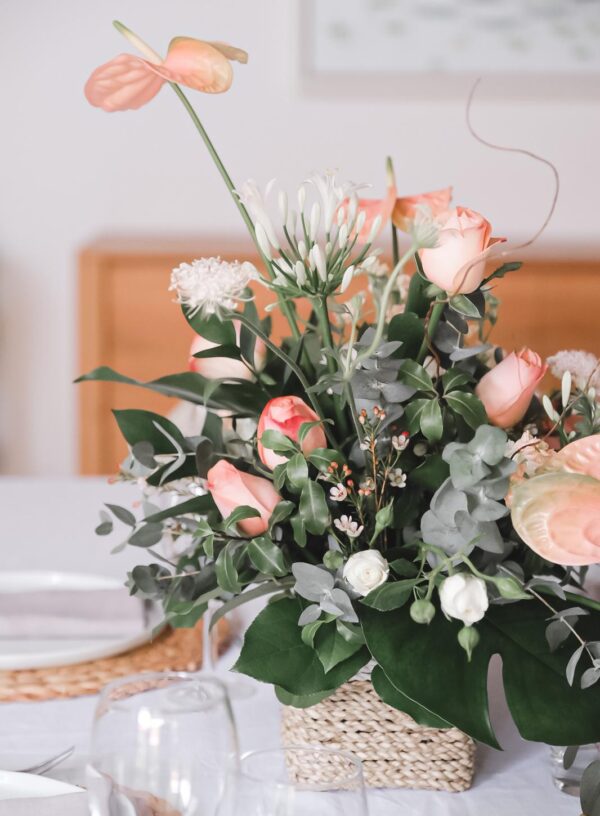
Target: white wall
[(69, 172)]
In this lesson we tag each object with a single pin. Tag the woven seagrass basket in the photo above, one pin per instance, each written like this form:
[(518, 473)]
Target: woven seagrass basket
[(395, 751)]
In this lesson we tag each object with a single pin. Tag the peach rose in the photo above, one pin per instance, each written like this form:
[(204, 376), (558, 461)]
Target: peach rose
[(231, 488), (407, 207), (287, 415), (507, 389), (457, 263), (220, 367)]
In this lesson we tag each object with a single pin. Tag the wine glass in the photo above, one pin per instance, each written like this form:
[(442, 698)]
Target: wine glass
[(161, 744), (237, 688), (295, 781)]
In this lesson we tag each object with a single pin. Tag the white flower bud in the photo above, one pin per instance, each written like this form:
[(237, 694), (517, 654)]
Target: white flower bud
[(464, 597), (343, 236), (360, 221), (290, 223), (347, 279), (341, 216), (319, 261), (353, 207), (301, 197), (262, 240), (315, 221), (302, 250), (366, 570), (376, 226), (300, 273)]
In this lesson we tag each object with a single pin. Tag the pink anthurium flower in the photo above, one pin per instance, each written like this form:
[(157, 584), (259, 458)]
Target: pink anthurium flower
[(376, 210), (558, 516), (127, 82)]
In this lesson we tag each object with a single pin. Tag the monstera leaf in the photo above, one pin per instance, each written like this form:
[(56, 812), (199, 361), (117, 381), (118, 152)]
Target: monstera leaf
[(427, 665), (274, 652)]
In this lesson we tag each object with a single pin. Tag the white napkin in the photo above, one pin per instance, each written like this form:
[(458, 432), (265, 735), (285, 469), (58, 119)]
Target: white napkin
[(101, 613), (71, 804)]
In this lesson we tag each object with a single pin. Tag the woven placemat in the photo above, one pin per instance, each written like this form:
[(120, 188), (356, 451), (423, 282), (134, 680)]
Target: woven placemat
[(172, 650)]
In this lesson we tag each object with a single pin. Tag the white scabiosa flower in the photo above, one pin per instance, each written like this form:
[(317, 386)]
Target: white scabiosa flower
[(345, 524), (338, 493), (211, 286), (583, 366), (397, 478), (365, 571), (464, 597)]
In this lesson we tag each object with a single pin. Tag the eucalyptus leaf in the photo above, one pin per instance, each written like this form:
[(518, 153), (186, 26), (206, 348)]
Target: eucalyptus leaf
[(147, 535)]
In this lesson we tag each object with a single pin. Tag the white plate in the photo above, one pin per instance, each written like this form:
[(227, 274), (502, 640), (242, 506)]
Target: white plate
[(15, 785), (40, 653)]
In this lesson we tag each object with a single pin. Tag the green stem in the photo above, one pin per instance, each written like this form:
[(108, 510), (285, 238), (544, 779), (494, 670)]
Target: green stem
[(352, 405), (289, 362), (381, 323), (430, 328), (284, 305), (320, 305)]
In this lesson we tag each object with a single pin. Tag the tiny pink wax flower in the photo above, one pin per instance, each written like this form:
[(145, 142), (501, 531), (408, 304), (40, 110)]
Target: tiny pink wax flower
[(406, 208), (287, 415), (231, 488), (127, 82), (506, 391), (457, 263)]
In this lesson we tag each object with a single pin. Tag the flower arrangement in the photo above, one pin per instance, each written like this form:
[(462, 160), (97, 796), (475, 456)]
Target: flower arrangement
[(384, 476)]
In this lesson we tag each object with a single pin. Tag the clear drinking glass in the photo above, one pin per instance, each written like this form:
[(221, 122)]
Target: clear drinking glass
[(568, 779), (295, 781), (161, 746)]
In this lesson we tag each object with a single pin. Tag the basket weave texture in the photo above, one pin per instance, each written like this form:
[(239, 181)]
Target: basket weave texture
[(395, 751), (172, 650)]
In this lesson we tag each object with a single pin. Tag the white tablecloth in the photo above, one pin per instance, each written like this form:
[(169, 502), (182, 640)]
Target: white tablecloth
[(49, 524)]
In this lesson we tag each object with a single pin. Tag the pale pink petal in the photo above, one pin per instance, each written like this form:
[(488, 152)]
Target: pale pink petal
[(197, 64), (406, 207), (125, 83), (558, 516), (373, 207), (581, 456)]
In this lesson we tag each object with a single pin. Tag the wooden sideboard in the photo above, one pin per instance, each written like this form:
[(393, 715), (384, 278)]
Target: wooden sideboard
[(127, 320)]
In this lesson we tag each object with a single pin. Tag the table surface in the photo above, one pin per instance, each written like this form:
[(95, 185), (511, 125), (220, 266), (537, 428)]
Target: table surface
[(514, 782)]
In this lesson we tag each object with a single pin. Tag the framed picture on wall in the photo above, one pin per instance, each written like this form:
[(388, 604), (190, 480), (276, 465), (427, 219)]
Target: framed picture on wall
[(535, 46)]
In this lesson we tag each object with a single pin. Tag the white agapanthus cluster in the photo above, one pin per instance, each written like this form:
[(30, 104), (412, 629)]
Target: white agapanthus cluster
[(210, 285), (316, 250), (583, 366)]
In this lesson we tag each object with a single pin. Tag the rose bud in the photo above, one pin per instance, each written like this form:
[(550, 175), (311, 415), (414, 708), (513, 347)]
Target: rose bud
[(507, 389), (214, 368), (457, 263), (231, 488), (366, 570), (464, 596), (407, 208), (287, 415)]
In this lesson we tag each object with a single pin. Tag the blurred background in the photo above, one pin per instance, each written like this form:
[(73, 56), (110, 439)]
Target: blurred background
[(95, 209)]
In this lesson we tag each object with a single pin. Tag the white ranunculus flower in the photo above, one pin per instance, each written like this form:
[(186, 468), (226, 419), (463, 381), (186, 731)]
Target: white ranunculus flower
[(464, 597), (366, 570)]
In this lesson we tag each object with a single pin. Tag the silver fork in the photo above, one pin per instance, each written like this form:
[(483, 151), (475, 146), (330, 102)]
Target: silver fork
[(44, 767)]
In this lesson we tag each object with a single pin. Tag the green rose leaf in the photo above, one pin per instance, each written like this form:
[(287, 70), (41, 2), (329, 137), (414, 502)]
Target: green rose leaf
[(273, 652), (282, 511), (322, 458), (415, 375), (413, 412), (277, 442), (300, 700), (211, 328), (297, 471), (232, 352), (239, 514), (226, 571), (468, 406), (313, 508), (332, 648), (267, 557), (465, 307), (454, 378), (432, 421), (408, 329)]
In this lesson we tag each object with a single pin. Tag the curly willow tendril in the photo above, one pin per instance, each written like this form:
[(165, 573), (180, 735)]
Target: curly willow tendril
[(522, 152)]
